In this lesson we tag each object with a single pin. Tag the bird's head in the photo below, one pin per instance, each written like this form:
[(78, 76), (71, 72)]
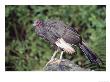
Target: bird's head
[(39, 27), (38, 24)]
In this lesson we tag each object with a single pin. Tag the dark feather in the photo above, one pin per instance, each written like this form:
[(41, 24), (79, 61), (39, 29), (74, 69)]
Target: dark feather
[(51, 30)]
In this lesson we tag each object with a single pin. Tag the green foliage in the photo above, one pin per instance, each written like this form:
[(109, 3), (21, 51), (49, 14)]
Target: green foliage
[(26, 51)]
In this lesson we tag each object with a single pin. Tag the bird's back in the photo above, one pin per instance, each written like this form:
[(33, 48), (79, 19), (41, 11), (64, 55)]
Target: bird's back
[(58, 29)]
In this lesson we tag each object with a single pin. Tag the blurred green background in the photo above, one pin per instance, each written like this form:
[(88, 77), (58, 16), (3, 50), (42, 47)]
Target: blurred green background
[(24, 50)]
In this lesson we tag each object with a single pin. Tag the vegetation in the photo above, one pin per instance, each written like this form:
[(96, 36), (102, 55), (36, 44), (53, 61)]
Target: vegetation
[(26, 51)]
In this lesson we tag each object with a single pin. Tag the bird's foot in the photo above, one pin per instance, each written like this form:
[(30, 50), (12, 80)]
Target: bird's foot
[(53, 61), (49, 62), (56, 61)]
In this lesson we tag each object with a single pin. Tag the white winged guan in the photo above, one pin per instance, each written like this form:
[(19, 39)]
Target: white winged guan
[(62, 37)]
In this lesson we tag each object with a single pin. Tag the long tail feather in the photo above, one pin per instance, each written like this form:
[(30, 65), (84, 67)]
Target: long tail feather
[(90, 55)]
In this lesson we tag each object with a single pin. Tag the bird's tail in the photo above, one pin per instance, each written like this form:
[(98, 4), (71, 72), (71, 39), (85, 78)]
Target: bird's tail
[(89, 54)]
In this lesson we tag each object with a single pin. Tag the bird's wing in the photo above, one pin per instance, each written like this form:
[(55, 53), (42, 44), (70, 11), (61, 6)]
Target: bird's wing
[(65, 46), (71, 37), (55, 26)]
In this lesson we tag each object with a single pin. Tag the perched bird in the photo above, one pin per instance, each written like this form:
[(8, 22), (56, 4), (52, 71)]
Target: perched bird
[(63, 37)]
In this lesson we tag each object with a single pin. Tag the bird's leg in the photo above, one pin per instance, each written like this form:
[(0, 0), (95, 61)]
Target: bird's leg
[(61, 56), (52, 58), (54, 54)]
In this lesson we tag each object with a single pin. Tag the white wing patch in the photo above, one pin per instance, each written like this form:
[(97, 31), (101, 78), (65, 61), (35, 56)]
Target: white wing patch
[(65, 46)]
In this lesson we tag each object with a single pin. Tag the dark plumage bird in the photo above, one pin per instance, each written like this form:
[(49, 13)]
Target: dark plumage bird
[(63, 37)]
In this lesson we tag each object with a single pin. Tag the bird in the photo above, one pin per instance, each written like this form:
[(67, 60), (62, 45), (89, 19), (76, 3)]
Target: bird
[(63, 37)]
